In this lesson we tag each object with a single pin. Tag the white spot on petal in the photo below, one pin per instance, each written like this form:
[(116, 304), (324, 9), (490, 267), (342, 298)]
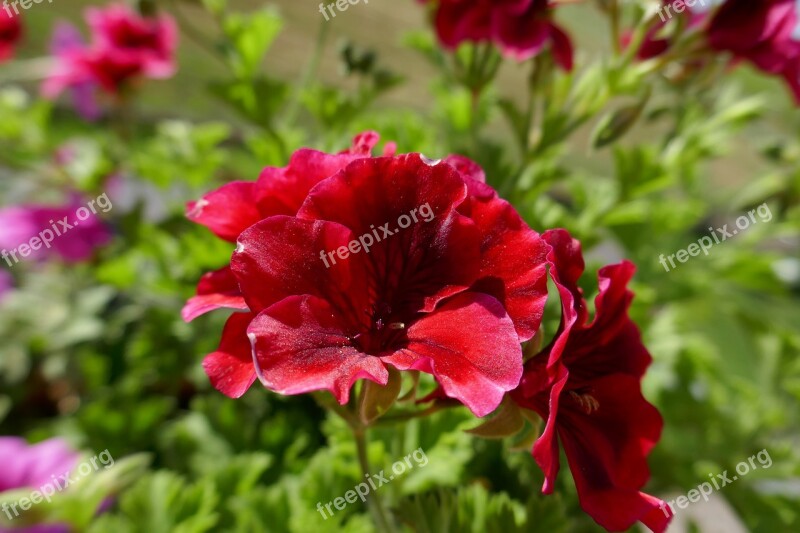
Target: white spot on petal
[(197, 210), (430, 162)]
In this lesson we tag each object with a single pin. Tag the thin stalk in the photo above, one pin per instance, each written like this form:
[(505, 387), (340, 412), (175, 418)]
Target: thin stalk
[(194, 34), (404, 417), (374, 503), (614, 13), (308, 75)]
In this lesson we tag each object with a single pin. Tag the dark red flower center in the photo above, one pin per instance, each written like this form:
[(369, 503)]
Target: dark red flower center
[(386, 331), (135, 38), (584, 399)]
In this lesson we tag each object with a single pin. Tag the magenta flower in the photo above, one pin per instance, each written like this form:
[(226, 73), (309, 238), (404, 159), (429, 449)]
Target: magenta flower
[(65, 44), (34, 466), (124, 47), (41, 231)]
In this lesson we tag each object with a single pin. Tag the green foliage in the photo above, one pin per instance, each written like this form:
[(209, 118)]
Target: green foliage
[(632, 159)]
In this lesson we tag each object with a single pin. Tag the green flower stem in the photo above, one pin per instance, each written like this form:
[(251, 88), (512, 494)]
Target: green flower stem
[(379, 514), (374, 503), (614, 14)]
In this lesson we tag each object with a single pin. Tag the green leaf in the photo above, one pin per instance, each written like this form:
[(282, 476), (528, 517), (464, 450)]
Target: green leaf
[(507, 422), (617, 123), (377, 399), (251, 35)]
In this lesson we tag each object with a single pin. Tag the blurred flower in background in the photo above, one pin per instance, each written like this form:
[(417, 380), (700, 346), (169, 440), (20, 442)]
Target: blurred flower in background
[(763, 33), (10, 34), (67, 40), (124, 47), (19, 224), (520, 28), (33, 466)]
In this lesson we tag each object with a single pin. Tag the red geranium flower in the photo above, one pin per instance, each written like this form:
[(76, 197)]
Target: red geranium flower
[(586, 384), (235, 207), (765, 33), (444, 295), (521, 28), (10, 33)]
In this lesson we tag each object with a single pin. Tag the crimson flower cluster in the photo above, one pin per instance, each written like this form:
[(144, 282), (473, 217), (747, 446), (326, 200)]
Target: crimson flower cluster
[(10, 34), (453, 296), (520, 28), (765, 34), (124, 47)]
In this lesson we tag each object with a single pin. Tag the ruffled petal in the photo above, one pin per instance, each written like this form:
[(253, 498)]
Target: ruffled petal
[(227, 211), (216, 290), (286, 256), (607, 449), (420, 249), (513, 264), (302, 345), (231, 368), (470, 346)]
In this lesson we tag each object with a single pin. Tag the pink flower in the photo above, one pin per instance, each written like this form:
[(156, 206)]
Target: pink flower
[(77, 240), (32, 467), (67, 44), (124, 48), (147, 42)]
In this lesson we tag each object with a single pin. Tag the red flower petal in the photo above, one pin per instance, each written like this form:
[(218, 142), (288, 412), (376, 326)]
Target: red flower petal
[(470, 346), (607, 450), (513, 264), (434, 257), (522, 35), (473, 175), (301, 345), (561, 47), (227, 211), (611, 343), (231, 368), (216, 289), (286, 256), (457, 22)]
